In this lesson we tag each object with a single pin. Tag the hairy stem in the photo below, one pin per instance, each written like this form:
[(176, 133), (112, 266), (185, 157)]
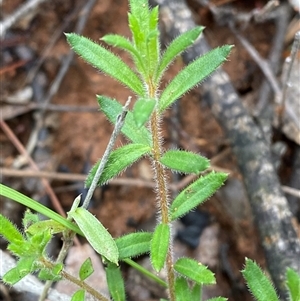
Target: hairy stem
[(162, 194), (78, 282)]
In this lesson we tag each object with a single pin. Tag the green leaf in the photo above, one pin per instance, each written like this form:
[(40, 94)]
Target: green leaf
[(29, 219), (259, 284), (58, 267), (133, 244), (41, 226), (159, 246), (105, 61), (182, 289), (13, 276), (115, 282), (196, 292), (196, 193), (86, 269), (36, 206), (118, 160), (293, 284), (99, 238), (183, 161), (111, 108), (195, 271), (39, 241), (124, 44), (176, 47), (142, 110), (9, 231), (24, 267), (193, 74), (47, 274), (217, 299), (78, 296)]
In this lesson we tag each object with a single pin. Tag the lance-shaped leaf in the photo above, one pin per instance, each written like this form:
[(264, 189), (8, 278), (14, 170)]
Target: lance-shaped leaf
[(193, 74), (133, 244), (41, 226), (86, 269), (124, 44), (111, 108), (118, 161), (183, 161), (159, 246), (99, 238), (115, 282), (142, 110), (176, 47), (9, 231), (105, 61), (24, 266), (196, 193), (78, 296), (194, 270), (293, 283), (153, 45), (182, 289), (258, 283), (196, 292)]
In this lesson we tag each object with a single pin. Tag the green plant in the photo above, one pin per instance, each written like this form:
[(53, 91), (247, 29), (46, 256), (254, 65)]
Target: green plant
[(185, 277)]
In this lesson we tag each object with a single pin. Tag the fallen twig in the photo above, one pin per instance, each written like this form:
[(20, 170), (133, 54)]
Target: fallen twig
[(17, 15)]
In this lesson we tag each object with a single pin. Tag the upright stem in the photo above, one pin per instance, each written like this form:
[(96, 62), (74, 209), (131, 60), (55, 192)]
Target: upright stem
[(162, 193)]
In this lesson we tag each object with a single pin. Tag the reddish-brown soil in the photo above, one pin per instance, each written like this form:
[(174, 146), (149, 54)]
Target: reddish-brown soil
[(78, 138)]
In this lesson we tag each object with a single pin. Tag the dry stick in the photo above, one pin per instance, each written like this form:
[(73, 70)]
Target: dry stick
[(269, 205), (16, 142), (119, 124), (17, 15), (275, 60), (261, 63), (57, 34)]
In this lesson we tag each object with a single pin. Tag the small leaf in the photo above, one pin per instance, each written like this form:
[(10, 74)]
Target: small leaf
[(111, 108), (159, 246), (176, 47), (99, 238), (58, 267), (78, 296), (193, 74), (142, 110), (195, 271), (259, 284), (196, 292), (105, 61), (12, 276), (133, 244), (39, 241), (217, 299), (9, 231), (115, 282), (29, 219), (41, 226), (293, 284), (182, 289), (46, 274), (196, 193), (183, 161), (86, 269), (124, 44), (23, 268), (118, 160)]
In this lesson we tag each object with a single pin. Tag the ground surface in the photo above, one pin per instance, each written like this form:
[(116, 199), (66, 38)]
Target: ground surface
[(76, 139)]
